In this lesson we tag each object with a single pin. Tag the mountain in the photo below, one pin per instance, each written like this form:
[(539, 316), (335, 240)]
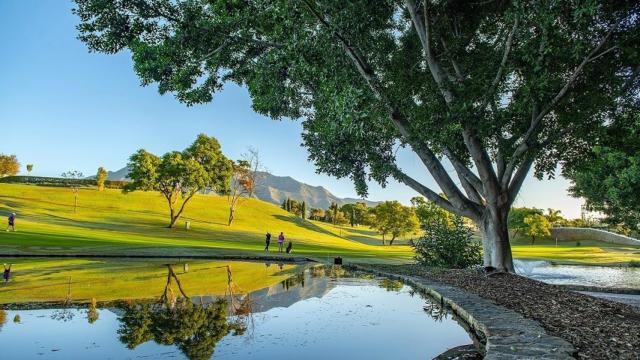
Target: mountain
[(276, 189), (122, 174)]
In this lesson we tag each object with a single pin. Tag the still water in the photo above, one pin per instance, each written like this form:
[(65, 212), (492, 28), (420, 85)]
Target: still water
[(317, 313), (601, 276)]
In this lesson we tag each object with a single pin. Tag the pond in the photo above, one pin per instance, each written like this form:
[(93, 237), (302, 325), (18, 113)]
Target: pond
[(310, 312), (600, 276)]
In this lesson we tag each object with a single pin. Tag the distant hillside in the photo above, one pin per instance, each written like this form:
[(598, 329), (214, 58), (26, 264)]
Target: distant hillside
[(276, 189)]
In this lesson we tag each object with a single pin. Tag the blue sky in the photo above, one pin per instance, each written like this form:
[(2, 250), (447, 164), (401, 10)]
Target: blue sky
[(62, 108)]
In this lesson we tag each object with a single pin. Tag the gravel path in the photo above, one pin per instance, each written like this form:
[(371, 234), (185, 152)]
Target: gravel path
[(597, 328)]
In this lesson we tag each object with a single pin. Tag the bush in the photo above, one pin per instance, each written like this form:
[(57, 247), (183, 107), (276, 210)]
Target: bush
[(448, 245)]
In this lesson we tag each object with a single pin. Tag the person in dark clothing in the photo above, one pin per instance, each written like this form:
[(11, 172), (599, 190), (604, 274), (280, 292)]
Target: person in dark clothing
[(267, 241), (289, 247), (7, 272), (12, 222)]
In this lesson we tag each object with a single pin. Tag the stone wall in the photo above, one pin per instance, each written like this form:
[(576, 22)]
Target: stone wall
[(575, 234)]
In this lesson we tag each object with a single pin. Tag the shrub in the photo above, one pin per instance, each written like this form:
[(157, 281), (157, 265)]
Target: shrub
[(448, 245)]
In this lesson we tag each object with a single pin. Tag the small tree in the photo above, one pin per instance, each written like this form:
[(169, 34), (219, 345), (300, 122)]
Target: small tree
[(393, 218), (29, 168), (448, 245), (73, 184), (178, 176), (516, 219), (255, 171), (537, 225), (101, 176), (242, 185), (303, 210), (9, 165)]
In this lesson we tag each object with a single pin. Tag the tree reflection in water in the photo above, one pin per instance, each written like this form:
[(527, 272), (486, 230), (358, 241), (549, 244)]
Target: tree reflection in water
[(390, 285), (435, 309), (194, 328)]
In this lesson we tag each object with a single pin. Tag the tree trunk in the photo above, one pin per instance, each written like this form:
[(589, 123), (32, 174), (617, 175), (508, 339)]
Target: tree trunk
[(172, 218), (495, 239), (392, 238), (382, 239), (533, 240), (231, 211)]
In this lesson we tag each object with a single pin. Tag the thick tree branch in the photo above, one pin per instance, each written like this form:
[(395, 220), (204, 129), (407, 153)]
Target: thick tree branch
[(527, 143), (429, 159), (472, 212), (423, 28), (465, 173), (518, 179), (474, 145)]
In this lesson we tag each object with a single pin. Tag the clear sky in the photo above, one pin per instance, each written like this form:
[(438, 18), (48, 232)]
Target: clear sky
[(62, 108)]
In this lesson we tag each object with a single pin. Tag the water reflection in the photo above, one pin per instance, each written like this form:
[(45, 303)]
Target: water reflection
[(316, 313), (194, 328)]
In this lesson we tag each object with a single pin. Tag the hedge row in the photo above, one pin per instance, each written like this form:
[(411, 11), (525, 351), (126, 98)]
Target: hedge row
[(54, 181)]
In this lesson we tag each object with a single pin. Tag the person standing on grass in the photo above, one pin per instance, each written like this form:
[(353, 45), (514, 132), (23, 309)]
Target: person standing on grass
[(280, 241), (12, 222), (7, 272), (267, 241)]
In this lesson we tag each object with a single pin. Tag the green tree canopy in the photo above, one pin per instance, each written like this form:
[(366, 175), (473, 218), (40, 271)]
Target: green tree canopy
[(517, 216), (178, 176), (429, 213), (392, 218), (537, 226), (355, 212), (608, 177), (492, 86)]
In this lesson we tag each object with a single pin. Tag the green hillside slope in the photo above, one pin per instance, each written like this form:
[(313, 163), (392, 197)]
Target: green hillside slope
[(111, 222)]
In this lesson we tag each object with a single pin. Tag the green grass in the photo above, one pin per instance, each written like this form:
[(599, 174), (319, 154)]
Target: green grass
[(589, 252), (111, 222), (79, 280)]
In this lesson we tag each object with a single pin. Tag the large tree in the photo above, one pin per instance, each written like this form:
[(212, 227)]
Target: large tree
[(492, 87), (178, 176)]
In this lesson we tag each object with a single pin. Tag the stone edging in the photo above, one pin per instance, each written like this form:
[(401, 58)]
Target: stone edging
[(508, 334)]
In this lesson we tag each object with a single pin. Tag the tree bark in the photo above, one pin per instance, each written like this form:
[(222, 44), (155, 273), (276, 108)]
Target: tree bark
[(495, 238), (231, 211)]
